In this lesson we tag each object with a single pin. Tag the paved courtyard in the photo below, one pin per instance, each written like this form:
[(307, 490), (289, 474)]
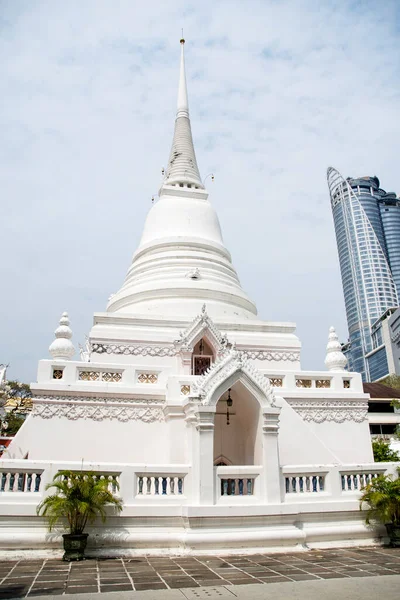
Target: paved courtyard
[(54, 577)]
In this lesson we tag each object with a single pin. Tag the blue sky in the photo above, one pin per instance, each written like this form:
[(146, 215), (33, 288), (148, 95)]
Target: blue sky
[(278, 91)]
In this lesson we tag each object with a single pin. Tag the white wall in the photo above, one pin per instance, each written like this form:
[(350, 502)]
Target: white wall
[(90, 440)]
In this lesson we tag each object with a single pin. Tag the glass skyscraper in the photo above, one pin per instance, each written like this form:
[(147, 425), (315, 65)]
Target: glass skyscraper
[(367, 227)]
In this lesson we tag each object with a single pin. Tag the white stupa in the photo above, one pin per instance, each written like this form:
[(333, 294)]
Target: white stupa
[(200, 408)]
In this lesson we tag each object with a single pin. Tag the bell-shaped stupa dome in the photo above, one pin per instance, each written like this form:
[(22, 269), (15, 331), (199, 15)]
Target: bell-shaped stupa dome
[(181, 261)]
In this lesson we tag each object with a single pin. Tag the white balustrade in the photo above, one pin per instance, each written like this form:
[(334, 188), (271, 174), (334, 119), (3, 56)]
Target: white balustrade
[(112, 478), (20, 480), (313, 382), (354, 482), (304, 484), (242, 486), (160, 485), (237, 482)]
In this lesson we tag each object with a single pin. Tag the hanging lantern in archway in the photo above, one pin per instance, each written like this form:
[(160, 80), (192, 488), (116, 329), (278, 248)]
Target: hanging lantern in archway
[(229, 403)]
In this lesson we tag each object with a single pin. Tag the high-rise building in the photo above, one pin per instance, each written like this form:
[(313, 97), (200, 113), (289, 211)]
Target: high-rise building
[(367, 227)]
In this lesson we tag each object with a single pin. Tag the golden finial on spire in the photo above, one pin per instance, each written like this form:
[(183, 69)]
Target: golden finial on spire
[(182, 41)]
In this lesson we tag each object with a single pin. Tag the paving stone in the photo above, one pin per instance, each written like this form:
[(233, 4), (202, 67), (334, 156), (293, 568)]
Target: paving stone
[(150, 586), (113, 581), (44, 592), (116, 588), (332, 575), (359, 574), (182, 584), (212, 582), (277, 579), (145, 579), (210, 576), (303, 577), (22, 579), (82, 589), (207, 573), (10, 589)]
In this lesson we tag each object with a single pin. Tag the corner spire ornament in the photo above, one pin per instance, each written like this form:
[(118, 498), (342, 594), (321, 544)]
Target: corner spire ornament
[(62, 348), (335, 359)]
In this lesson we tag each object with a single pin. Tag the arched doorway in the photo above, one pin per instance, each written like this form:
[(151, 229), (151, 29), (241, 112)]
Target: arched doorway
[(239, 441)]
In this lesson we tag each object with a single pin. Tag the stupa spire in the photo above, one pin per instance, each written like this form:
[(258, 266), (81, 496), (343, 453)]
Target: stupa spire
[(182, 165)]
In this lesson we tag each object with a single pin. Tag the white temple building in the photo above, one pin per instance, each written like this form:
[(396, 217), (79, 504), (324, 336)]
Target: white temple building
[(197, 407)]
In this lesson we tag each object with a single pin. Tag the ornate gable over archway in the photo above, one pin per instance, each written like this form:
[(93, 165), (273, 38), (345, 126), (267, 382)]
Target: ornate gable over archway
[(202, 326), (224, 374)]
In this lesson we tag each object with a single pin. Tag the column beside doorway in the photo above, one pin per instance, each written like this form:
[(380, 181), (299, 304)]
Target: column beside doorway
[(205, 428), (271, 470)]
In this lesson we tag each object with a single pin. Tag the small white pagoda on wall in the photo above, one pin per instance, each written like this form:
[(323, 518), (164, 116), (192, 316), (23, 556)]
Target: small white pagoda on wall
[(194, 404)]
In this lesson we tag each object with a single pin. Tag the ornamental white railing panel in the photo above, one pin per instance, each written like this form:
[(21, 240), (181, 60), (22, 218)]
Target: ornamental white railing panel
[(238, 484), (160, 485), (20, 480), (354, 480), (334, 482), (304, 484), (24, 481), (314, 382)]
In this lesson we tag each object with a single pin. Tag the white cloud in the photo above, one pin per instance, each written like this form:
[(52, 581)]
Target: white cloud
[(279, 90)]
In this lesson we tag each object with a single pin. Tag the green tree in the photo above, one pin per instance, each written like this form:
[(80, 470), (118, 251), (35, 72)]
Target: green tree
[(392, 381), (383, 452), (12, 423), (18, 397)]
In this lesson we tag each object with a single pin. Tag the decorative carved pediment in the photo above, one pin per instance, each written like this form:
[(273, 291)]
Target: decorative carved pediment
[(233, 363), (202, 326)]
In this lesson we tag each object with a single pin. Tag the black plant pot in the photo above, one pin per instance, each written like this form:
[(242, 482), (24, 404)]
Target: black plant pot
[(394, 534), (74, 546)]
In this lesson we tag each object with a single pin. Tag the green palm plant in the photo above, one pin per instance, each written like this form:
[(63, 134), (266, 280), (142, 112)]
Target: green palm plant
[(80, 497), (383, 498), (382, 495)]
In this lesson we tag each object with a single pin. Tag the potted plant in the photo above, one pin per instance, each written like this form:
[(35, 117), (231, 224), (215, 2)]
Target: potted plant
[(80, 497), (382, 495)]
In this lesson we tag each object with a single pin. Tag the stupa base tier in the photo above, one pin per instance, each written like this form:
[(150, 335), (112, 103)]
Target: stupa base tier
[(163, 512), (195, 533)]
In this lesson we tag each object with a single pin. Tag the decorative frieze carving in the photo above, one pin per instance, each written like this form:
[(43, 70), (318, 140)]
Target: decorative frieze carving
[(322, 383), (270, 355), (339, 412), (139, 350), (95, 399), (108, 376), (57, 373), (147, 378), (276, 381), (303, 383), (185, 390), (111, 376), (89, 376), (72, 412), (134, 350)]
